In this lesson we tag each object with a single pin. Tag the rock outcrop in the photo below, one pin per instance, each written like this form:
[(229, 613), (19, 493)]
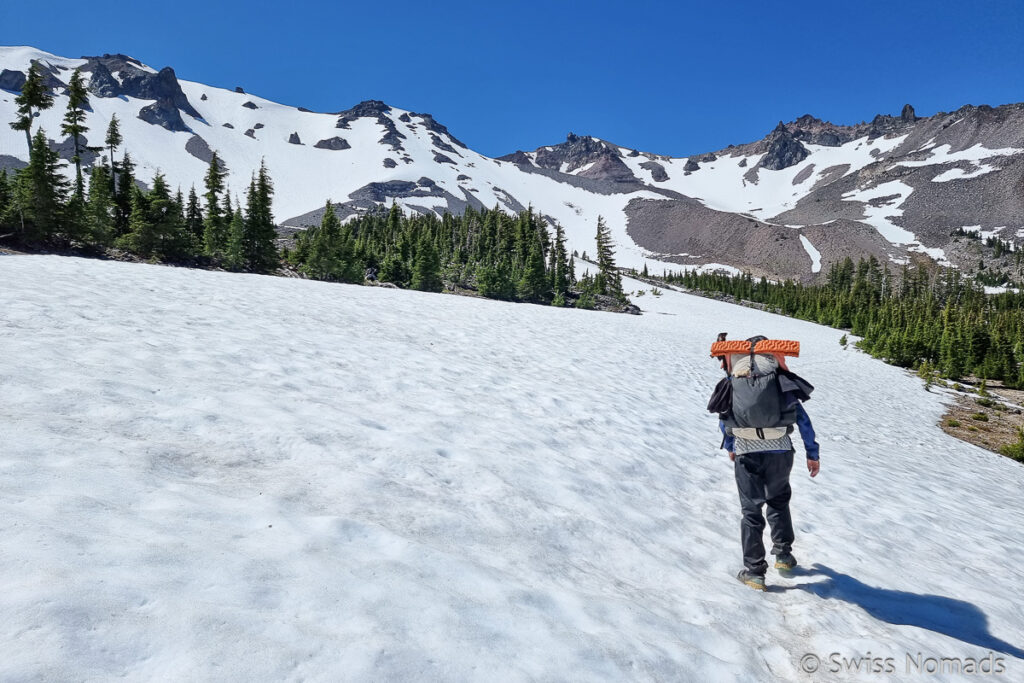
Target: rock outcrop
[(165, 114), (783, 150), (12, 80), (335, 143)]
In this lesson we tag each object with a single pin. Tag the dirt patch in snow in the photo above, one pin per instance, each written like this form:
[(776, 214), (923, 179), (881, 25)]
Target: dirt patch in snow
[(987, 421)]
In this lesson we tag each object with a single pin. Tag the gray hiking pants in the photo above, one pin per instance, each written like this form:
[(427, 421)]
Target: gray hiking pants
[(763, 479)]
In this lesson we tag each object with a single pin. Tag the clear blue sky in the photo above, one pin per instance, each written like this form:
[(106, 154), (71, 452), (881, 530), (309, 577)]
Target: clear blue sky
[(666, 77)]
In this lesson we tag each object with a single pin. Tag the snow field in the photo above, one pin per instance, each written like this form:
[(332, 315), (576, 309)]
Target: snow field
[(212, 475)]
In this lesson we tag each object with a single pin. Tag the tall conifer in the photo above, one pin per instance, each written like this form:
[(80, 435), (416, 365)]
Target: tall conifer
[(34, 98)]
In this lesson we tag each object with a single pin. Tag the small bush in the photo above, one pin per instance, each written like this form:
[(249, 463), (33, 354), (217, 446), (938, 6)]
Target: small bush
[(843, 341), (986, 402), (655, 291), (957, 386), (980, 417), (972, 428), (952, 423), (1015, 450), (640, 292)]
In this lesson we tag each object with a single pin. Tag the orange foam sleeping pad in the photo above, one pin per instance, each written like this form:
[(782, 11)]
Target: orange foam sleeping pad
[(784, 346)]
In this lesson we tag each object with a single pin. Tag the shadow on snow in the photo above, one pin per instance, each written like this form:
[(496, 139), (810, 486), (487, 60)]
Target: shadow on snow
[(953, 618)]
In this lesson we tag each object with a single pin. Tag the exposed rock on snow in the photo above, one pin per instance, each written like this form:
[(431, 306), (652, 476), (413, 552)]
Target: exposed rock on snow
[(197, 147), (12, 80), (335, 143), (658, 173), (165, 114)]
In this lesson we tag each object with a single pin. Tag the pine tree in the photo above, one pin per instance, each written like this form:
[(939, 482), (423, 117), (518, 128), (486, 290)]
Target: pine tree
[(5, 205), (156, 226), (326, 260), (194, 216), (233, 257), (113, 140), (534, 284), (607, 280), (74, 124), (34, 98), (426, 275), (254, 248), (39, 192), (139, 238), (124, 182), (561, 276), (99, 220), (215, 225)]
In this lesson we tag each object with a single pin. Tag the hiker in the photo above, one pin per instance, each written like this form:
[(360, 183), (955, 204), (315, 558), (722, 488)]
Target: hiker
[(759, 402)]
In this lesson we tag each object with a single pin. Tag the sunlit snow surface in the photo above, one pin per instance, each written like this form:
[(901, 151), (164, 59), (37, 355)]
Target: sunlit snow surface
[(231, 477)]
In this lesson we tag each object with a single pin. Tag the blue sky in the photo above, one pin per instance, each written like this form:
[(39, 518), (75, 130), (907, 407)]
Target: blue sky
[(666, 77)]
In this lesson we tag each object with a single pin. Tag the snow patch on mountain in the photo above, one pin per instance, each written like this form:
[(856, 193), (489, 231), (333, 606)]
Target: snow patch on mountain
[(813, 253)]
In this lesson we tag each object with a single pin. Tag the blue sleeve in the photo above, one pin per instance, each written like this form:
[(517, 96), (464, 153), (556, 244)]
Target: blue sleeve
[(729, 441), (803, 422)]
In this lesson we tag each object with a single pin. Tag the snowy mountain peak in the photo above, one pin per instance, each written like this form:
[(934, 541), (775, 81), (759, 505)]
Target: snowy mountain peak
[(806, 195)]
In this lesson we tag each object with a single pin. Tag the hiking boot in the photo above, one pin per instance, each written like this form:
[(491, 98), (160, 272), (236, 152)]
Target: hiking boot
[(755, 581), (785, 561)]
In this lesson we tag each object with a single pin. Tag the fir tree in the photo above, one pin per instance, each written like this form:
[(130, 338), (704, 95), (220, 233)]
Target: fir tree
[(99, 221), (426, 275), (233, 257), (123, 184), (113, 140), (331, 255), (5, 205), (39, 192), (534, 284), (607, 280), (34, 98), (74, 125), (215, 225), (156, 226), (254, 248), (561, 273), (194, 216)]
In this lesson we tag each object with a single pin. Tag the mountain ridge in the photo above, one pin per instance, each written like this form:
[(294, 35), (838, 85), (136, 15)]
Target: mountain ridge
[(895, 187)]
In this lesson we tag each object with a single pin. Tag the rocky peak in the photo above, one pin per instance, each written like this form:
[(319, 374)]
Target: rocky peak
[(783, 150), (162, 87), (367, 108), (908, 114), (374, 109), (575, 152)]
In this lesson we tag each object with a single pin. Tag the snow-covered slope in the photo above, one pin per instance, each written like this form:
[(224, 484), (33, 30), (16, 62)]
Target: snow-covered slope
[(204, 480), (894, 188)]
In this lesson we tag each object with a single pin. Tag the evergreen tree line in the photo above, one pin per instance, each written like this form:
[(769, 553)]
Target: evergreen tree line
[(501, 256), (930, 319), (38, 206)]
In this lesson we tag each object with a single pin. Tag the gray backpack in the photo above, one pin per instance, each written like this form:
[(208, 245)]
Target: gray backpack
[(759, 408)]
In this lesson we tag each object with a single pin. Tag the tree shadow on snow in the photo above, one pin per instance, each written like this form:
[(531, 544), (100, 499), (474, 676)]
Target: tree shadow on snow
[(953, 618)]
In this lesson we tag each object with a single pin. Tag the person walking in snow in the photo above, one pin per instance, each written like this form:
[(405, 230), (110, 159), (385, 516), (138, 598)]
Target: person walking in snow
[(759, 402)]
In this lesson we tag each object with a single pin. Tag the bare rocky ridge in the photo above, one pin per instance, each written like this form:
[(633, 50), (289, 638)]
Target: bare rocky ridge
[(993, 201)]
